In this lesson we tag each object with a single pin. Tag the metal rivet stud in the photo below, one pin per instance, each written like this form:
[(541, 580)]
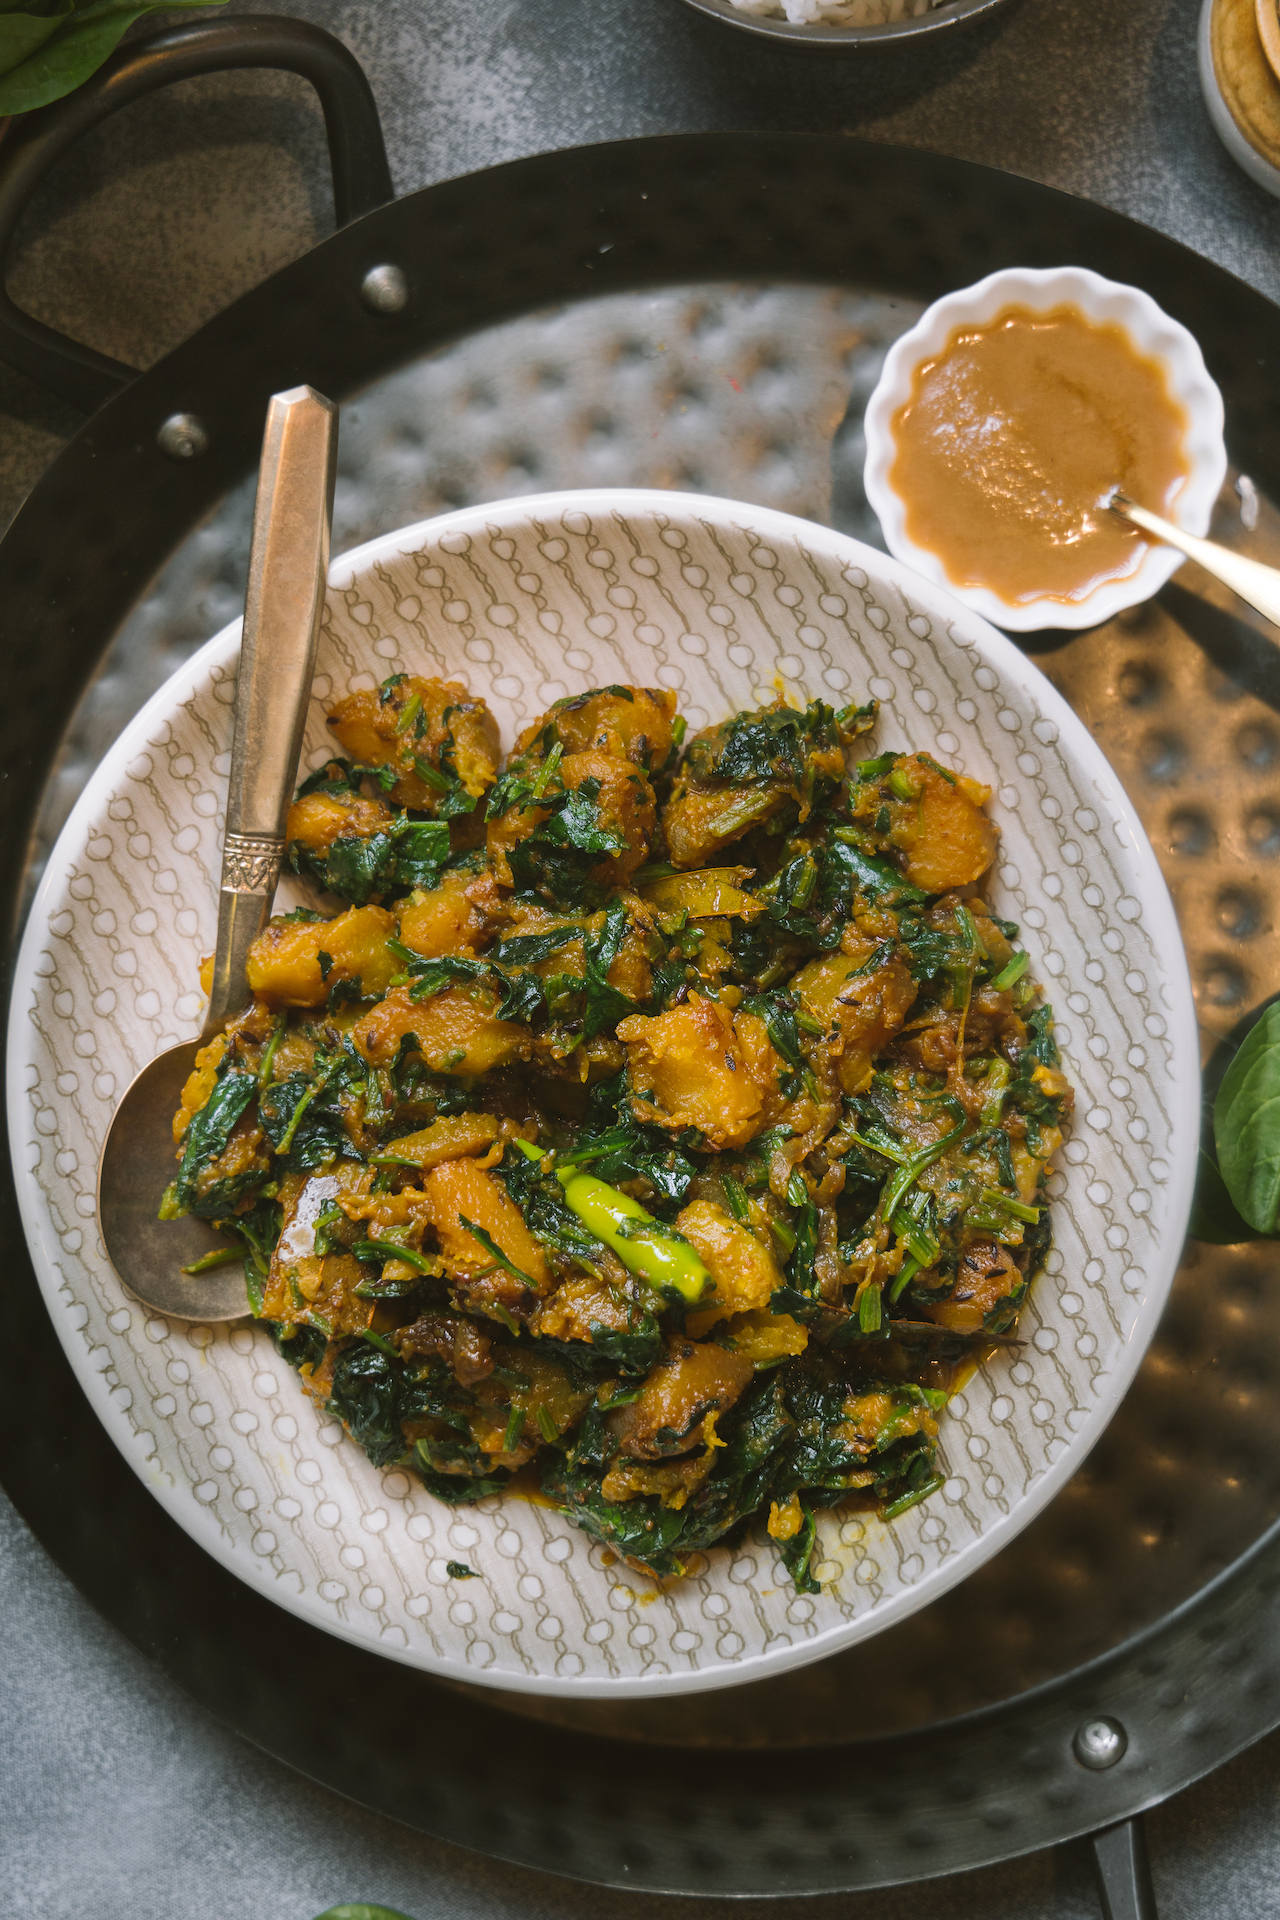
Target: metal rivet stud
[(183, 436), (385, 290), (1099, 1743)]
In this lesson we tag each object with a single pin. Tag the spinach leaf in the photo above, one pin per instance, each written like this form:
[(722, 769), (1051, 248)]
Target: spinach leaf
[(800, 1295), (367, 1393), (932, 950), (1041, 1050), (319, 1135), (630, 1150), (374, 1392), (1246, 1125), (764, 746), (778, 1012), (754, 1433), (258, 1228), (796, 1553), (420, 852), (361, 1910), (207, 1138), (527, 949), (521, 996), (882, 884), (458, 1489), (436, 976), (1042, 1044), (406, 854), (1214, 1215), (605, 1005), (635, 1352), (541, 1201), (576, 823), (335, 776), (300, 1345), (46, 55)]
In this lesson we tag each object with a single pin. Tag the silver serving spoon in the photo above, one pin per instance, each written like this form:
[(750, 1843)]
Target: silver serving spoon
[(288, 562), (1254, 582)]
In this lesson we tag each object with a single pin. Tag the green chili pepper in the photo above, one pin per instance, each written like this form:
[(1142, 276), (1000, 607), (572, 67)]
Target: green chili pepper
[(647, 1247)]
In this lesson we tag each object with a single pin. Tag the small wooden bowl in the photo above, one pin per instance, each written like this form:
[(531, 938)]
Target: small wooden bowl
[(1240, 80)]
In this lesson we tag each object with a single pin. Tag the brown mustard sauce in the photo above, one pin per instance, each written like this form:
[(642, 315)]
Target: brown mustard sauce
[(1012, 435)]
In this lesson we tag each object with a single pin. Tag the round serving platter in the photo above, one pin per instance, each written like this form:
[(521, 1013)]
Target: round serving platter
[(1162, 1543)]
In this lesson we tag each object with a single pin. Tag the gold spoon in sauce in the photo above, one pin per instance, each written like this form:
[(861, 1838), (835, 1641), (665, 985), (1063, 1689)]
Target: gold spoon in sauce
[(288, 564), (1255, 583)]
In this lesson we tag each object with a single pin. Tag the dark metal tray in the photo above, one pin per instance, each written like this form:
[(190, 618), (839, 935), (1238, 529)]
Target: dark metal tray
[(1148, 1591)]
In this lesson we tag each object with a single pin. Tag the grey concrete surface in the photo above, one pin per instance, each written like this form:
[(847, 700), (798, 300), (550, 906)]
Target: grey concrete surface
[(118, 1798)]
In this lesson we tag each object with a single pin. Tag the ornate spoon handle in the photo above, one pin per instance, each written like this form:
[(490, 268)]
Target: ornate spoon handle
[(288, 562)]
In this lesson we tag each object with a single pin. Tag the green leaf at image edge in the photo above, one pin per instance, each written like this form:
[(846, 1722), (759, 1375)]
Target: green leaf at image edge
[(1214, 1218), (83, 38), (1246, 1125), (361, 1910), (23, 34)]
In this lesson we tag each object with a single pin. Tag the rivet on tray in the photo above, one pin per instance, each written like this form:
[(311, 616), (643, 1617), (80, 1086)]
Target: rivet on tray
[(1099, 1743), (385, 290), (183, 436)]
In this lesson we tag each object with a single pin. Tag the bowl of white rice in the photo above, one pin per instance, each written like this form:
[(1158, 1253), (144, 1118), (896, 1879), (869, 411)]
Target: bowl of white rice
[(843, 23)]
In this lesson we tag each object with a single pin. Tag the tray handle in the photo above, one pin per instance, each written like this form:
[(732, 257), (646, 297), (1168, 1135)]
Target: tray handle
[(1124, 1871), (357, 156)]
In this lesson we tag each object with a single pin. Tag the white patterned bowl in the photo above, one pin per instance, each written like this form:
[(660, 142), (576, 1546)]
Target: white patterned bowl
[(529, 600), (1105, 302)]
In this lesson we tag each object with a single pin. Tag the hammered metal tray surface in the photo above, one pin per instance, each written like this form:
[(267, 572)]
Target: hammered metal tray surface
[(756, 392), (1186, 1478)]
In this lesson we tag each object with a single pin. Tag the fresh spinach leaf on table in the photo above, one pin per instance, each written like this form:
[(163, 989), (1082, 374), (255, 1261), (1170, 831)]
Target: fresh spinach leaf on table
[(1246, 1125), (52, 46), (1215, 1216), (361, 1910)]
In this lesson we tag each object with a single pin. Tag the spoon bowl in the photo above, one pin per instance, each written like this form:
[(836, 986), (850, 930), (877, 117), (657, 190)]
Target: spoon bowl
[(148, 1253)]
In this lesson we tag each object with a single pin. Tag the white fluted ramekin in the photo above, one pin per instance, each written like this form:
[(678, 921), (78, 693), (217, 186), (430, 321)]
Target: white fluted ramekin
[(1102, 301)]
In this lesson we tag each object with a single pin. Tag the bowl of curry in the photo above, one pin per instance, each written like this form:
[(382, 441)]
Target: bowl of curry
[(1006, 416), (712, 1134)]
